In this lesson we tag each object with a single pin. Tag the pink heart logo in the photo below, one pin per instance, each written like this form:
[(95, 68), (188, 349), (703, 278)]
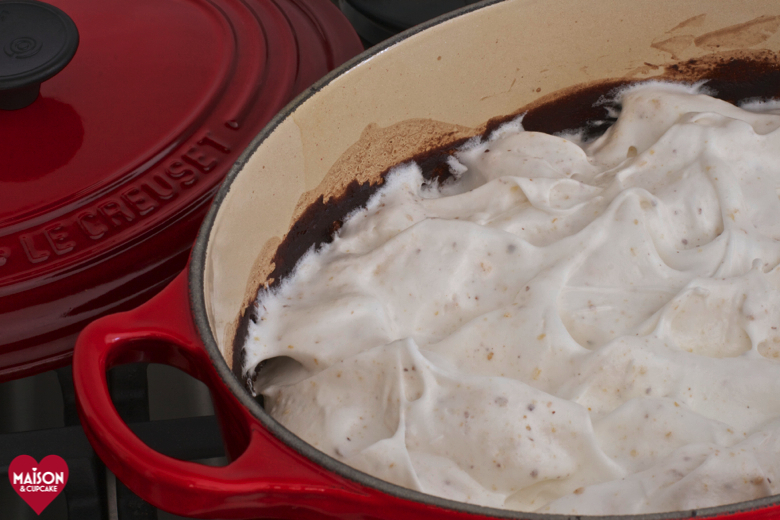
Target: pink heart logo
[(38, 483)]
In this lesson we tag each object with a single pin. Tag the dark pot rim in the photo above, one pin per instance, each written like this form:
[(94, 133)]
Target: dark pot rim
[(196, 280)]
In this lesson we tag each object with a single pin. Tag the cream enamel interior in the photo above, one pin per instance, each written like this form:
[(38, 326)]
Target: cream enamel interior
[(452, 77)]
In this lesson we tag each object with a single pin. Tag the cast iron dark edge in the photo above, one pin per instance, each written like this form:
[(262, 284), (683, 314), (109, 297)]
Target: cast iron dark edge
[(198, 310)]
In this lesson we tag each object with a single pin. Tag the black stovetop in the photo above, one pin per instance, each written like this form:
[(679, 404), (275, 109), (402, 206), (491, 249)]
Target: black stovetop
[(166, 408)]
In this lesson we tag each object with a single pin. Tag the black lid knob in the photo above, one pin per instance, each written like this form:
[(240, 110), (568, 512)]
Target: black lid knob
[(37, 40)]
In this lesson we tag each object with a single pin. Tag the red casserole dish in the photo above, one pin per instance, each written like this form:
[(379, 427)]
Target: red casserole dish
[(106, 177), (433, 85)]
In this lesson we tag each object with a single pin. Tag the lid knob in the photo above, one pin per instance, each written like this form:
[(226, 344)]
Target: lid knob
[(37, 40)]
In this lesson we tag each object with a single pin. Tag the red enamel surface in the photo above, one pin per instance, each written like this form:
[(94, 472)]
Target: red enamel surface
[(174, 58), (106, 177)]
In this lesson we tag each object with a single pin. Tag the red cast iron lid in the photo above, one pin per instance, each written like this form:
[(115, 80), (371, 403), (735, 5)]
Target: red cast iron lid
[(105, 177)]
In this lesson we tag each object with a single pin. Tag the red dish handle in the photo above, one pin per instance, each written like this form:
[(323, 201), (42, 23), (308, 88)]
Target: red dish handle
[(265, 480)]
